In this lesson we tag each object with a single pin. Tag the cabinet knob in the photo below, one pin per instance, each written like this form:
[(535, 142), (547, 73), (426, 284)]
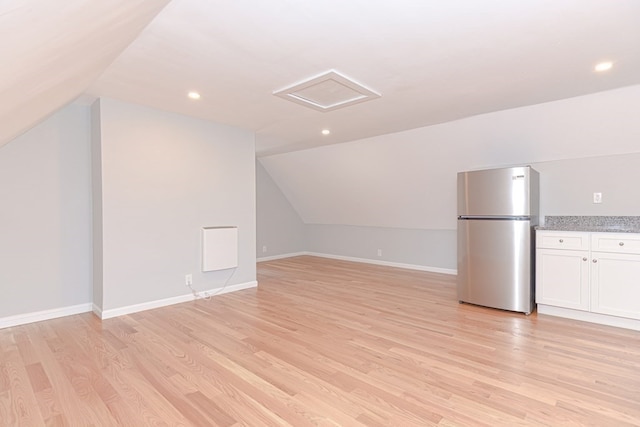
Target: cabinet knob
[(561, 240), (584, 259), (621, 243), (595, 260)]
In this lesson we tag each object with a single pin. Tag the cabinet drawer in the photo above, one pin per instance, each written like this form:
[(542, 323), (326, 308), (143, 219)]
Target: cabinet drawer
[(562, 240), (623, 243)]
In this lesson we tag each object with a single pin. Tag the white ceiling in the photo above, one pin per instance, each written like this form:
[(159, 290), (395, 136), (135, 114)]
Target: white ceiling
[(52, 50), (432, 61)]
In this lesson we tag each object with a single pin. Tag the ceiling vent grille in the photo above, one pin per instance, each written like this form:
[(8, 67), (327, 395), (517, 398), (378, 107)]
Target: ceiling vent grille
[(327, 92)]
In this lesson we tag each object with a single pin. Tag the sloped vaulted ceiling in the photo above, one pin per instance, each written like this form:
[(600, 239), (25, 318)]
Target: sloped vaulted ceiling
[(433, 61), (51, 51)]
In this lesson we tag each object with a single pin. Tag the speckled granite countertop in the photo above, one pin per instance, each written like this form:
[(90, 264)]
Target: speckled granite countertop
[(608, 224)]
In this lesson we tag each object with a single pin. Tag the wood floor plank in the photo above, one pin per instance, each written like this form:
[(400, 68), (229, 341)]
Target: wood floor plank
[(321, 342), (19, 405)]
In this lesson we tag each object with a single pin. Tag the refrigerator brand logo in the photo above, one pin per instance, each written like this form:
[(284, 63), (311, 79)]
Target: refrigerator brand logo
[(514, 177)]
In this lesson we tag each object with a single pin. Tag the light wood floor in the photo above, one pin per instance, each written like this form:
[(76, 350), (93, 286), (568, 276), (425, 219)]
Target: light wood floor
[(321, 342)]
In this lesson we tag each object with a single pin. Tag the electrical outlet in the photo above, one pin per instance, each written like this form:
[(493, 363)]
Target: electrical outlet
[(597, 197), (188, 279), (264, 249), (379, 252)]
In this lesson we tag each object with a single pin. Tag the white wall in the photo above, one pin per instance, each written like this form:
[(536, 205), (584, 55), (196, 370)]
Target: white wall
[(433, 250), (407, 180), (567, 186), (45, 216), (96, 200), (280, 231), (165, 176)]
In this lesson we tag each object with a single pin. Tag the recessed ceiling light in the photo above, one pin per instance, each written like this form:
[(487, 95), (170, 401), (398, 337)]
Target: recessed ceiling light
[(603, 66), (193, 95), (326, 131)]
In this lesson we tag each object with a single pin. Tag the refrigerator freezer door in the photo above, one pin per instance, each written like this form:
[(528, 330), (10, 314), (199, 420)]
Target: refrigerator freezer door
[(494, 264), (497, 192)]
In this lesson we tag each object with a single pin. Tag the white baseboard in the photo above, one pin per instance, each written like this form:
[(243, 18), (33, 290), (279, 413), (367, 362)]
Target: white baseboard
[(281, 256), (372, 261), (96, 310), (586, 316), (23, 319), (38, 316), (107, 314)]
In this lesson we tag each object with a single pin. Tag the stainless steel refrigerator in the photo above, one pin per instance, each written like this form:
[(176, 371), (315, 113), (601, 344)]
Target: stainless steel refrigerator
[(497, 210)]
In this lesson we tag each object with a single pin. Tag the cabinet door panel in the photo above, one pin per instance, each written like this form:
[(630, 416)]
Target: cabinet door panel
[(615, 284), (562, 278)]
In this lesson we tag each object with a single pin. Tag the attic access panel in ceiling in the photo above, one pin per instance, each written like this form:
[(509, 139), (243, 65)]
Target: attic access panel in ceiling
[(327, 92)]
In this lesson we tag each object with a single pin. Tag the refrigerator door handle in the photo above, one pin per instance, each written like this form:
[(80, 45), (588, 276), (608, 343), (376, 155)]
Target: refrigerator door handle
[(494, 218)]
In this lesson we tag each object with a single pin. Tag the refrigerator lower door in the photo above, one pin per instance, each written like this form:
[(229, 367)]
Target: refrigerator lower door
[(494, 263)]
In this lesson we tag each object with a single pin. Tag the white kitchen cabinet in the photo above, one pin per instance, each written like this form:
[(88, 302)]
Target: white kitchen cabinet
[(562, 278), (562, 269), (589, 276), (615, 274)]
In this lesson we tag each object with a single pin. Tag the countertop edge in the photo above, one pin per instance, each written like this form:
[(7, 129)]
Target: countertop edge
[(591, 224), (586, 229)]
